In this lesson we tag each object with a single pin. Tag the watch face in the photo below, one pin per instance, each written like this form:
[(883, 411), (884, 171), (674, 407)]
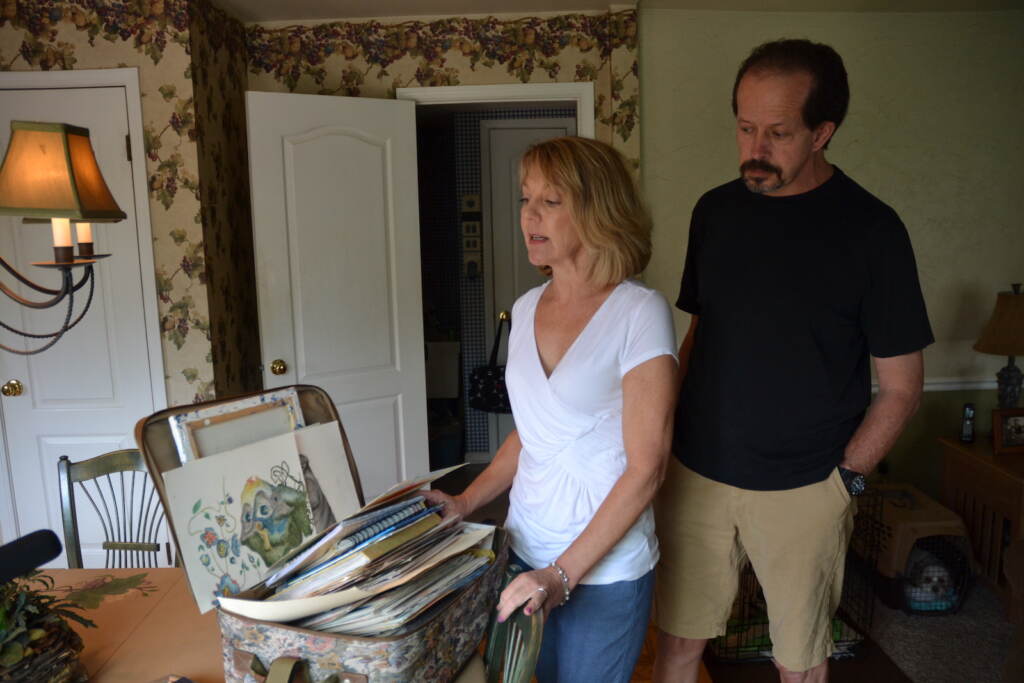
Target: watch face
[(854, 481)]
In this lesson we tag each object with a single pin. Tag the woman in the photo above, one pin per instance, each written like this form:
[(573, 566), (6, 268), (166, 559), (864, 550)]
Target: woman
[(590, 377)]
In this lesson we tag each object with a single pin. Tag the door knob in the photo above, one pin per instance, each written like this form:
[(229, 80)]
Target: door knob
[(277, 366), (12, 388)]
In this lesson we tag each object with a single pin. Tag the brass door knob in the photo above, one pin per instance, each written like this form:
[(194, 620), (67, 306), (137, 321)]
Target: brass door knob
[(12, 388), (278, 366)]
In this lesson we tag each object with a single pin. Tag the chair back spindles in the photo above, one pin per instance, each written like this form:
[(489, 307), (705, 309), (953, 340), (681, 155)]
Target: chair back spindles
[(118, 487)]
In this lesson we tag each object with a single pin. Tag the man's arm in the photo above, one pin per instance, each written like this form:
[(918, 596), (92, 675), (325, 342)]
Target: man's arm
[(900, 381)]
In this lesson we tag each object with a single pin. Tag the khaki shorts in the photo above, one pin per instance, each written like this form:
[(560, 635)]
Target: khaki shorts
[(795, 540)]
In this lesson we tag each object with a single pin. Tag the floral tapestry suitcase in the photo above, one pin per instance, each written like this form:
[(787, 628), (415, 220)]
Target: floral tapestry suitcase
[(435, 649)]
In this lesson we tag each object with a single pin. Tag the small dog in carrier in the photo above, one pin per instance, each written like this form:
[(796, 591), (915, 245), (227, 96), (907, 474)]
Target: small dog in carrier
[(930, 579), (934, 579)]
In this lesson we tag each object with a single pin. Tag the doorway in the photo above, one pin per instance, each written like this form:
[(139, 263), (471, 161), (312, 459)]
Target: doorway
[(468, 251)]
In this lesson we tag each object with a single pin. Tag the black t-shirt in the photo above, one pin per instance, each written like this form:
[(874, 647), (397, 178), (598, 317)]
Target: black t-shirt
[(793, 294)]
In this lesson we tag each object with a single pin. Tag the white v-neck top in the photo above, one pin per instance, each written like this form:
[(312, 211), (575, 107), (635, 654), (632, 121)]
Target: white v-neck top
[(570, 425)]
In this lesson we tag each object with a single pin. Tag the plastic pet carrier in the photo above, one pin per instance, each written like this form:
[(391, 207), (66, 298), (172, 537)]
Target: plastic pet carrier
[(924, 563)]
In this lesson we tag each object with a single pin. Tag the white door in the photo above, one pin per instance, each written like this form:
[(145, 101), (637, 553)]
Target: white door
[(83, 396), (502, 144), (336, 232)]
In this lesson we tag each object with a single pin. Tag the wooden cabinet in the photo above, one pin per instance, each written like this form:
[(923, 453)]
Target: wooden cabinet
[(987, 491)]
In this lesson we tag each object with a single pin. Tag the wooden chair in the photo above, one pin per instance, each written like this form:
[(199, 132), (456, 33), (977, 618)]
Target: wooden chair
[(118, 486), (512, 647)]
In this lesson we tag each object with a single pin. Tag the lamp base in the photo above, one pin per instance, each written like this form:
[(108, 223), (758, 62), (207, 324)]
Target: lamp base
[(1009, 382)]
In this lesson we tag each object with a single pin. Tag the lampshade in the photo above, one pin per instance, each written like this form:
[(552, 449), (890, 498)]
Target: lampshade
[(50, 171), (1004, 333)]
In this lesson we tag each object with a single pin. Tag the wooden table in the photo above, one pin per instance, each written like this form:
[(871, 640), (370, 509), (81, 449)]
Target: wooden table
[(987, 491), (147, 625)]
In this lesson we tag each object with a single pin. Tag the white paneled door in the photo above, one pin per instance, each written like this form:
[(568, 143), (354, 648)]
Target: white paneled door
[(83, 396), (336, 230)]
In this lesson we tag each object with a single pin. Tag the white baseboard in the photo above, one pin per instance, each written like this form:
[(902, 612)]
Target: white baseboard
[(951, 384), (948, 384)]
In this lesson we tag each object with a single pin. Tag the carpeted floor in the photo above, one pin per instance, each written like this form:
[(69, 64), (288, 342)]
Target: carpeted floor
[(968, 646)]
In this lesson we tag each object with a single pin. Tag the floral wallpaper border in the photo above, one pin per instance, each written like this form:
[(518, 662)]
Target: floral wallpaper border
[(373, 58)]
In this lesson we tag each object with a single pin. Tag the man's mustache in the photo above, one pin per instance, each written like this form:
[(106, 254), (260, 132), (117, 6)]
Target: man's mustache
[(759, 165)]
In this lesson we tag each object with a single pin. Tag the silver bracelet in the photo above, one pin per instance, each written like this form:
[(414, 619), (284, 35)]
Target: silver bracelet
[(565, 582)]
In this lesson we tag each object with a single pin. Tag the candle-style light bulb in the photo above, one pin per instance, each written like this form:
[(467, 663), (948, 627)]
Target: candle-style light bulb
[(85, 246), (61, 232), (62, 250), (84, 232)]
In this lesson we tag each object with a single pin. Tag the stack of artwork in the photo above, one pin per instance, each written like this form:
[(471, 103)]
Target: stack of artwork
[(265, 506)]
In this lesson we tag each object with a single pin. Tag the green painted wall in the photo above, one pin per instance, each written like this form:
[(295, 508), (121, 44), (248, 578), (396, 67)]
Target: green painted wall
[(917, 457), (933, 129)]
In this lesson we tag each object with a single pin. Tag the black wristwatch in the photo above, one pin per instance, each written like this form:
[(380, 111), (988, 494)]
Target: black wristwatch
[(854, 482)]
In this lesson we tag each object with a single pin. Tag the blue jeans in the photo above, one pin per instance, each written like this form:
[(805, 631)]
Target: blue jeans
[(598, 634)]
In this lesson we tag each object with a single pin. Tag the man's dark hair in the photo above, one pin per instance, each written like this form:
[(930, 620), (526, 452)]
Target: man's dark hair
[(830, 91)]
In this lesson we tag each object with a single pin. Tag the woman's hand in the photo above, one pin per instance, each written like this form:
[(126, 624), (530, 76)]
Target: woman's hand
[(539, 589), (454, 506)]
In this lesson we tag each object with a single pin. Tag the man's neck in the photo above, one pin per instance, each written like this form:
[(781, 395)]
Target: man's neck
[(813, 175)]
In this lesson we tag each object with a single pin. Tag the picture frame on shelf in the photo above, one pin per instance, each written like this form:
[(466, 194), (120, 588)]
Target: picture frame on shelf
[(1008, 431)]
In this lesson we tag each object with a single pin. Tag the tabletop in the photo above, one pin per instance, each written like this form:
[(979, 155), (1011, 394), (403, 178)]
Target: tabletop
[(147, 625), (1010, 465)]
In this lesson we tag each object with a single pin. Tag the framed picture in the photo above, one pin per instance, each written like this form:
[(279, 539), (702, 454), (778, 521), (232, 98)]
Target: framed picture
[(229, 425), (1008, 430)]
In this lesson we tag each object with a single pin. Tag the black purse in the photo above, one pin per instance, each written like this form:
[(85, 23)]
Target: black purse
[(487, 391)]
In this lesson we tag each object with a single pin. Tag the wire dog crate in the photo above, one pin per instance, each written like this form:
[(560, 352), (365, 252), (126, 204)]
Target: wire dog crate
[(747, 637)]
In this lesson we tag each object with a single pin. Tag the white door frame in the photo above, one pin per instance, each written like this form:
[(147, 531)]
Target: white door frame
[(580, 93), (128, 78)]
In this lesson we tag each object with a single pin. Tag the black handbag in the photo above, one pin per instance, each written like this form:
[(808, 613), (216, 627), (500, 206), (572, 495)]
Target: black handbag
[(487, 391)]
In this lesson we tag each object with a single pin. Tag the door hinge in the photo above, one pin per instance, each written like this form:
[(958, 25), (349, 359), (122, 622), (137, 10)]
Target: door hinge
[(128, 146)]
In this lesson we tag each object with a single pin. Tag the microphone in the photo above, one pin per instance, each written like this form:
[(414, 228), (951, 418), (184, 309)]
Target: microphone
[(27, 553)]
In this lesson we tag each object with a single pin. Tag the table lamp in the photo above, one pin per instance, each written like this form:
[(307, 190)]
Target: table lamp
[(1004, 336)]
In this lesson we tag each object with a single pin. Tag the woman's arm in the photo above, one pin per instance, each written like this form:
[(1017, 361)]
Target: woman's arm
[(648, 396), (492, 482)]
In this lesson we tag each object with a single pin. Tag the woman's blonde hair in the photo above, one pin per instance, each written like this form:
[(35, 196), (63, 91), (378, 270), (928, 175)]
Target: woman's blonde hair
[(604, 202)]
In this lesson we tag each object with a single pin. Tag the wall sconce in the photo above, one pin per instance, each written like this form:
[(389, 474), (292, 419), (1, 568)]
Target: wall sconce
[(50, 172)]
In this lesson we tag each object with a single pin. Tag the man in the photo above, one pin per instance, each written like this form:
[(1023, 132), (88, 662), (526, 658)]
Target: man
[(795, 277)]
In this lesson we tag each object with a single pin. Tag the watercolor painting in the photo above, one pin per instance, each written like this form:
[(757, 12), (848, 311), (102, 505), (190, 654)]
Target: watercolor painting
[(237, 513)]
